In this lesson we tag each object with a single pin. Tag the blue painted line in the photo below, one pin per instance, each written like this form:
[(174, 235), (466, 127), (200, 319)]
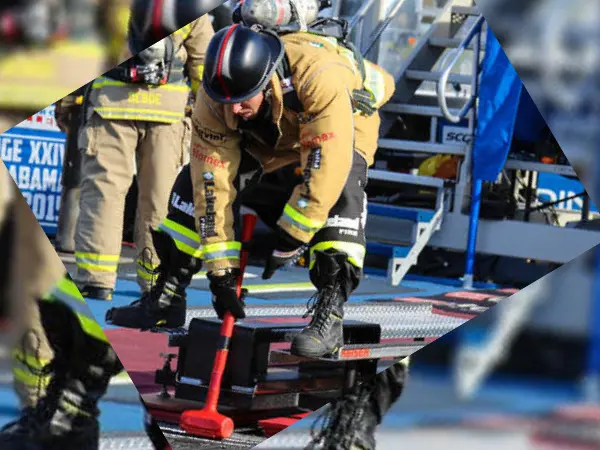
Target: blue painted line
[(119, 417), (433, 280)]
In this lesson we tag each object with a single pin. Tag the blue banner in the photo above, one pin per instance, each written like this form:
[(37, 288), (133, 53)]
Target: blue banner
[(33, 152), (499, 96), (553, 188)]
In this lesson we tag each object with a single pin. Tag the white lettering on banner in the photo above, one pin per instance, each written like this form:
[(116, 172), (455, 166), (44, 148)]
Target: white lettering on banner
[(10, 149), (34, 153), (46, 153), (36, 178), (551, 196), (45, 207)]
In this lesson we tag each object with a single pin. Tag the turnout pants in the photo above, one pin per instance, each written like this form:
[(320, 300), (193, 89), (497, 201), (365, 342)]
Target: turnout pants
[(33, 268), (109, 149), (344, 231)]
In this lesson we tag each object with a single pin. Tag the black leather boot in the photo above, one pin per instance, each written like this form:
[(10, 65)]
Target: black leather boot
[(334, 277), (351, 421), (66, 418), (164, 305)]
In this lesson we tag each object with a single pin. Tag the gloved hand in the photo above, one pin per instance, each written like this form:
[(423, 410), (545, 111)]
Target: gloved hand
[(224, 289), (286, 250)]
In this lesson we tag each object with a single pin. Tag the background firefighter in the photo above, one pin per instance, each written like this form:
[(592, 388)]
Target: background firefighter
[(32, 269), (135, 111), (113, 16), (63, 358)]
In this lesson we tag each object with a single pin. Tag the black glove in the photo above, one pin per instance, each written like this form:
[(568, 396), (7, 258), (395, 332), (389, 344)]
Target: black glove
[(224, 290), (285, 250)]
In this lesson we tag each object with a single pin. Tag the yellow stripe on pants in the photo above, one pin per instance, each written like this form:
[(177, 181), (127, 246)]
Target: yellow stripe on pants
[(67, 293)]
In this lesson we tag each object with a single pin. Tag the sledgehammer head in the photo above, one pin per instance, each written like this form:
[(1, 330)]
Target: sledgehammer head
[(205, 423)]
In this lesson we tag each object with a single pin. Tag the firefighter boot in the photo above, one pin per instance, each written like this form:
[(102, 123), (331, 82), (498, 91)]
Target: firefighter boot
[(351, 421), (164, 305), (66, 418), (324, 335)]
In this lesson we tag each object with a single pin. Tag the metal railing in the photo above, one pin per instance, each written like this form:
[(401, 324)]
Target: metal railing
[(357, 23), (446, 67)]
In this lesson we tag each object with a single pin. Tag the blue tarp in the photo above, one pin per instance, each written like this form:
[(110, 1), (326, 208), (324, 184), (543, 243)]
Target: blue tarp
[(529, 124), (499, 98)]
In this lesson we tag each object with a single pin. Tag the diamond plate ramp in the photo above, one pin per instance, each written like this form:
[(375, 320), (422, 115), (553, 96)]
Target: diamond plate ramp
[(397, 320), (129, 442)]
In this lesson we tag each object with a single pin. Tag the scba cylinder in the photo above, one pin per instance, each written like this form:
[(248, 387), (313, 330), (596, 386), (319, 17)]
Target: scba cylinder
[(278, 13)]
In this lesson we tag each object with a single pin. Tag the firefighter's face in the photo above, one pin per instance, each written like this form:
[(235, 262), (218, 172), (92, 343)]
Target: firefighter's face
[(249, 109)]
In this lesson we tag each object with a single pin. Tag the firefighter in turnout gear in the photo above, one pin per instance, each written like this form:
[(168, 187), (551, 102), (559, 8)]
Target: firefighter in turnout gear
[(302, 97), (135, 119), (63, 361), (350, 422)]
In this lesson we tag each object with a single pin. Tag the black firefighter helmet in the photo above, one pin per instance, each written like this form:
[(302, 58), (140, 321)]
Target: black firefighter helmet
[(240, 62)]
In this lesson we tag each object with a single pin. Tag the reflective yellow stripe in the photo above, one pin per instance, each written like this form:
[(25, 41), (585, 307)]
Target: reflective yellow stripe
[(71, 408), (98, 262), (196, 82), (355, 252), (28, 369), (139, 110), (17, 95), (67, 293), (140, 114), (104, 82), (184, 32), (147, 270), (147, 276), (142, 117), (186, 240), (222, 250), (146, 265), (29, 360), (119, 33), (375, 84), (28, 378), (300, 221)]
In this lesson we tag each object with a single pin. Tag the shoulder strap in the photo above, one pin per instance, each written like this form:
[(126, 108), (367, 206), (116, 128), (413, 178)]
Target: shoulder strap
[(290, 96)]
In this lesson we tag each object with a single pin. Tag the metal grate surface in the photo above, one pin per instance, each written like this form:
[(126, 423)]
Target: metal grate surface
[(140, 442), (398, 320)]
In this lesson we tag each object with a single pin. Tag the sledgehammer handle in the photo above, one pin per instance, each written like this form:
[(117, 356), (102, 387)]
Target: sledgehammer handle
[(214, 388)]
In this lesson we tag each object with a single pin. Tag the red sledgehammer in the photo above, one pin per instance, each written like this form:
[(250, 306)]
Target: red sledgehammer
[(208, 422)]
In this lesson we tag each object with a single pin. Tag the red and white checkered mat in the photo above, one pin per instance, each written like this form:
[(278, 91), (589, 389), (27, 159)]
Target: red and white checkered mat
[(460, 304)]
